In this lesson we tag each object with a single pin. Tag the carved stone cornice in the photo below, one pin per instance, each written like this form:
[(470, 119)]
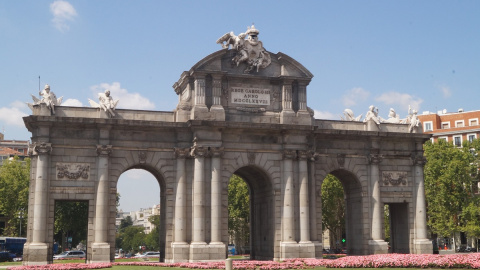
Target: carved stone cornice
[(418, 160), (289, 154), (181, 152), (104, 150), (375, 158), (42, 148), (198, 151)]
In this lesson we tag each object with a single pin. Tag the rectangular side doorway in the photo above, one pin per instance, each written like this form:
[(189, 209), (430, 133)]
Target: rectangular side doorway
[(399, 237)]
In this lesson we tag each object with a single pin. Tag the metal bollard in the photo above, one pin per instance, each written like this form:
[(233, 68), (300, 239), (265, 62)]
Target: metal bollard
[(228, 264)]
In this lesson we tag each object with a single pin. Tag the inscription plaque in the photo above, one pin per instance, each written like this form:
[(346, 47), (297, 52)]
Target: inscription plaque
[(250, 96)]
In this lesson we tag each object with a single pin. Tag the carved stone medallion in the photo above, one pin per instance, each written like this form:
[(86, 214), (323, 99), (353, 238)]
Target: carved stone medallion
[(394, 178), (73, 171)]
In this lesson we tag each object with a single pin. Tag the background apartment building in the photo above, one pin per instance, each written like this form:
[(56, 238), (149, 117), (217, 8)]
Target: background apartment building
[(453, 127)]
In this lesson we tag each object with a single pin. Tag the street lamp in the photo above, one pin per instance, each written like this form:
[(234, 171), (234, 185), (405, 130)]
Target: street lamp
[(20, 216)]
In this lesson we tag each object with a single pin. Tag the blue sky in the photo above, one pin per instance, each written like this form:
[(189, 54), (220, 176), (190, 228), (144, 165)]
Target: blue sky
[(390, 54)]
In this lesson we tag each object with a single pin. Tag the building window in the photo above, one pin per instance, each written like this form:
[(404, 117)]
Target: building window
[(459, 123), (428, 126), (445, 125), (473, 122), (443, 138), (471, 137), (457, 141)]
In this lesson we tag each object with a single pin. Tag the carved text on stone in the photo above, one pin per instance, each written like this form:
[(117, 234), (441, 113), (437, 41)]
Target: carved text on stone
[(250, 96)]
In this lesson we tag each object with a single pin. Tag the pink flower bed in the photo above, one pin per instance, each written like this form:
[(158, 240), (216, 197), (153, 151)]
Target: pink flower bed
[(471, 261)]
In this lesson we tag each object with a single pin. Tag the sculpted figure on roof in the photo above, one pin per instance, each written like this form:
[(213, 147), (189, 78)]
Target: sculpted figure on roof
[(249, 51)]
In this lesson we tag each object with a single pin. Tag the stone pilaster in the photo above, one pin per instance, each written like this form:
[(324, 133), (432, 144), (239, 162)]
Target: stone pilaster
[(199, 110), (216, 211), (100, 246), (287, 115), (37, 250), (217, 111), (180, 248), (377, 244), (422, 244), (303, 115)]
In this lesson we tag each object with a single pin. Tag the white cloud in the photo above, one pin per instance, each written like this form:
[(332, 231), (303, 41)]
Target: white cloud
[(446, 91), (127, 100), (63, 12), (403, 100), (13, 115), (354, 95), (72, 103), (325, 115)]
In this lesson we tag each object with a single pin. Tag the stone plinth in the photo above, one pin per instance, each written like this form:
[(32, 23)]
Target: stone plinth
[(378, 247), (100, 253), (423, 246), (289, 250), (180, 252), (35, 254)]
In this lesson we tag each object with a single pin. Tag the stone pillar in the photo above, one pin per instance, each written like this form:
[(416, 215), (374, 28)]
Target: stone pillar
[(287, 115), (306, 247), (198, 246), (217, 247), (315, 231), (100, 246), (199, 110), (288, 246), (217, 110), (37, 250), (377, 244), (180, 247), (216, 195), (422, 244)]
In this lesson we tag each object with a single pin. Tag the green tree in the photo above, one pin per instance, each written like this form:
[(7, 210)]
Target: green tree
[(132, 238), (71, 220), (449, 177), (333, 208), (152, 240), (14, 184), (238, 212)]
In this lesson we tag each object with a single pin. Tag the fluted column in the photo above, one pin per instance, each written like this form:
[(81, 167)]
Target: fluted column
[(216, 211), (288, 198), (180, 198), (302, 96), (303, 195), (40, 208), (287, 95), (101, 207), (199, 90), (216, 90), (198, 234), (377, 211)]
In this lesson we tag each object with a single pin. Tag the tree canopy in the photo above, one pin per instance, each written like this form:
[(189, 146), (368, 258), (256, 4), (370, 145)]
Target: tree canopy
[(450, 179), (333, 208), (238, 211), (14, 184)]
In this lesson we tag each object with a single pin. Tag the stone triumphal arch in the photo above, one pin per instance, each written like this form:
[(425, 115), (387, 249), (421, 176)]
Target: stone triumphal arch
[(242, 110)]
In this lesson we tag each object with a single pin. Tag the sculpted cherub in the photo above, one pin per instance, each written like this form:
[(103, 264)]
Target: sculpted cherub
[(48, 98), (106, 103)]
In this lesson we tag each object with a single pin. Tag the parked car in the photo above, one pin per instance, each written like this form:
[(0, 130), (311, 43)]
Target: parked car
[(150, 254), (5, 257), (70, 254)]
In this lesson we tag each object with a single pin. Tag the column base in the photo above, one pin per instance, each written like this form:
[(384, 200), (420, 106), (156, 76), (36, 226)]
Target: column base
[(200, 112), (180, 252), (288, 117), (318, 249), (35, 254), (304, 118), (100, 253), (423, 246), (217, 112), (306, 249), (218, 251), (289, 250), (378, 246), (199, 252)]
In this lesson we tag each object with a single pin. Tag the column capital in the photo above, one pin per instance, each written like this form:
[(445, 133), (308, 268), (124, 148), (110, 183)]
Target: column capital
[(375, 159), (418, 160), (181, 152), (289, 154), (104, 150), (216, 151), (42, 148), (198, 151), (304, 154)]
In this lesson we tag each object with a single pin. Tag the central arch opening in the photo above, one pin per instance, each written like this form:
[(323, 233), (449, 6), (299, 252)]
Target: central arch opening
[(261, 212)]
